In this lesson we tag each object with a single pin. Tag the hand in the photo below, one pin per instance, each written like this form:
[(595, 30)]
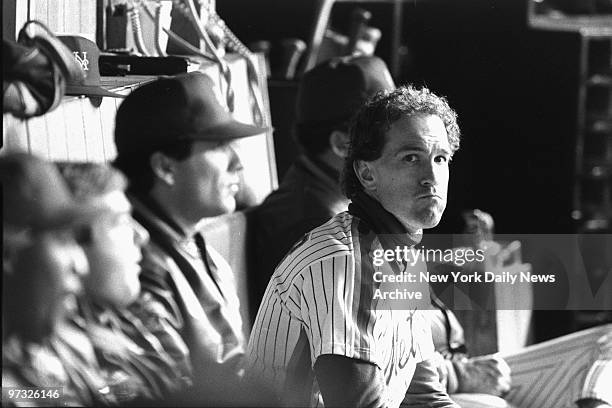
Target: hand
[(486, 375)]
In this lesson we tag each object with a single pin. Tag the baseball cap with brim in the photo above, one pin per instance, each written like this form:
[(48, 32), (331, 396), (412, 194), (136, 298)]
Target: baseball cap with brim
[(87, 55), (171, 109), (35, 196)]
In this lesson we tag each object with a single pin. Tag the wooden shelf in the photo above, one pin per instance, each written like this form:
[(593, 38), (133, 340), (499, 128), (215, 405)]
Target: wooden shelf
[(82, 129)]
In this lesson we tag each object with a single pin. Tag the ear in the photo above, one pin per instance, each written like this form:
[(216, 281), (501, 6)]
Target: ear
[(365, 174), (339, 143), (163, 167)]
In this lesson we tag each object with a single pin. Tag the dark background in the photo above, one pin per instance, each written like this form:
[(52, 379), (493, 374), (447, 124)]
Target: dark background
[(515, 90)]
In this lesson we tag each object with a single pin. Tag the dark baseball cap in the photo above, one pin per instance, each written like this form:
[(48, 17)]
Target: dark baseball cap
[(183, 107), (333, 90), (36, 196)]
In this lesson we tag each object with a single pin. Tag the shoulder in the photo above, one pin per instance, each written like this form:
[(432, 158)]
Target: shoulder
[(330, 240), (286, 197), (156, 266), (157, 296), (333, 237), (303, 193), (280, 212)]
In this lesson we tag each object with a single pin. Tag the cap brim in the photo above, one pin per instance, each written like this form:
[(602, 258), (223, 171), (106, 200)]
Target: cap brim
[(91, 91), (229, 131)]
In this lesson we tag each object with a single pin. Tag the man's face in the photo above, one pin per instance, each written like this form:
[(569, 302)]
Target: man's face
[(114, 252), (410, 179), (206, 183)]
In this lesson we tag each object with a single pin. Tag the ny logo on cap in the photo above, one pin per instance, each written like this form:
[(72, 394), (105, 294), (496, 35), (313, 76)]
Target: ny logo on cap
[(83, 61)]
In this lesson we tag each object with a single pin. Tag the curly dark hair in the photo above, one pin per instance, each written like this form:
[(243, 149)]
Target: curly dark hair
[(371, 123)]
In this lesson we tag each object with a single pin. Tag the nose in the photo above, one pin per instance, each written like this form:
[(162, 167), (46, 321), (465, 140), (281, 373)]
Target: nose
[(428, 174), (141, 236), (235, 164)]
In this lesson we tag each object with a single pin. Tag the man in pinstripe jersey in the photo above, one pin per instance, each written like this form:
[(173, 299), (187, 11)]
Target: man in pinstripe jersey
[(321, 336), (310, 192)]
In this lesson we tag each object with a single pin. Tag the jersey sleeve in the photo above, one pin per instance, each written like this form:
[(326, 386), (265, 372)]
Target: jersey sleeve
[(336, 310)]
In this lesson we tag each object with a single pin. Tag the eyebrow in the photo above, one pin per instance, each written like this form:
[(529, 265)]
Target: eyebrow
[(446, 151), (417, 148), (420, 148)]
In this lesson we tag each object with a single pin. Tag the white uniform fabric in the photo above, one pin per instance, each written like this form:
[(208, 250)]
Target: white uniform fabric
[(598, 382), (558, 372), (320, 301)]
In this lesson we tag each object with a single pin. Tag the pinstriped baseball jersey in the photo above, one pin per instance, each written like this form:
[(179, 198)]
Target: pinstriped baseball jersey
[(320, 300)]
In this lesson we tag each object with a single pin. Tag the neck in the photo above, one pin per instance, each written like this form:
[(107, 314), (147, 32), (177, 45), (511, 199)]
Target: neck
[(167, 204), (331, 159), (411, 230)]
